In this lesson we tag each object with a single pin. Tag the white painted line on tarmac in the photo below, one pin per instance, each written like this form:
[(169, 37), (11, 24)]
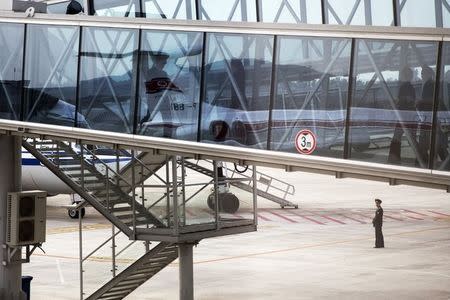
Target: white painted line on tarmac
[(58, 267)]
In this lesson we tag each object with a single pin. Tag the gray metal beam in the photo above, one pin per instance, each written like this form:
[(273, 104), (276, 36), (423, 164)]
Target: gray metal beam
[(243, 156), (375, 32)]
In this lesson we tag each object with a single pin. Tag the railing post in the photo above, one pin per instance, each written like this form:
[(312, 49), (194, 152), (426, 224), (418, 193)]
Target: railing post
[(175, 195), (167, 192), (255, 196), (80, 229), (183, 189), (133, 190), (216, 194)]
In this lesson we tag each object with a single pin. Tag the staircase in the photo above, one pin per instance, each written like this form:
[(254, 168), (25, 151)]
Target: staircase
[(262, 178), (108, 192), (139, 272)]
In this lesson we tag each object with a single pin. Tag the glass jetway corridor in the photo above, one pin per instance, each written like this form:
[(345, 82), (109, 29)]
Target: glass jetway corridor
[(366, 99), (405, 13)]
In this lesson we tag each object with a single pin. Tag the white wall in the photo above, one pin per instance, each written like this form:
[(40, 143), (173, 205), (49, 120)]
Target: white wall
[(6, 4)]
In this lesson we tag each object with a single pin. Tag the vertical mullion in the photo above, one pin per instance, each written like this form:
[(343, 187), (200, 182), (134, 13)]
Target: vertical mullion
[(258, 6), (396, 8), (351, 81), (368, 12), (22, 92), (436, 94), (273, 89), (202, 91), (142, 14), (198, 10), (137, 78), (90, 8), (324, 4), (438, 12), (77, 91)]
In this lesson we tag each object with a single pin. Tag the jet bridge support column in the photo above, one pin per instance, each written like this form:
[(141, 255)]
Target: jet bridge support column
[(185, 252), (10, 181)]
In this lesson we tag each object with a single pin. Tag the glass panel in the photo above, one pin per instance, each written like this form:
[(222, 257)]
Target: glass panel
[(352, 13), (235, 108), (163, 9), (392, 102), (361, 12), (382, 12), (418, 13), (446, 14), (57, 8), (231, 10), (312, 79), (117, 8), (442, 144), (107, 83), (51, 75), (291, 11), (170, 84), (11, 54)]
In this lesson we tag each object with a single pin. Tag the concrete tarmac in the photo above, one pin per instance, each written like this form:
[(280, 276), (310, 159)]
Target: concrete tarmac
[(323, 250)]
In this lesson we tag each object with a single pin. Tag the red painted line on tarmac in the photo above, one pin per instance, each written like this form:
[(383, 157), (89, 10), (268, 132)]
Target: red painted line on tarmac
[(281, 216), (307, 218), (393, 218), (415, 212), (356, 220), (239, 216), (438, 213), (332, 219), (263, 218), (188, 211), (327, 217), (415, 218)]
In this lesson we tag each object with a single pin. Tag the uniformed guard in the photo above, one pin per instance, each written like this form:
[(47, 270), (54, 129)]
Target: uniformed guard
[(378, 224)]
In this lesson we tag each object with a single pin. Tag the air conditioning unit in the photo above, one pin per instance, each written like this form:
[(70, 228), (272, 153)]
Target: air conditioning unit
[(26, 218)]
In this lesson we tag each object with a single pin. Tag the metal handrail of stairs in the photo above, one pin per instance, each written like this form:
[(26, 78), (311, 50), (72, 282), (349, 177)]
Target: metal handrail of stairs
[(264, 194)]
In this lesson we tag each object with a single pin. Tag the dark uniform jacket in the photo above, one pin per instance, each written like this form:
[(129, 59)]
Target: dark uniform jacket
[(378, 219)]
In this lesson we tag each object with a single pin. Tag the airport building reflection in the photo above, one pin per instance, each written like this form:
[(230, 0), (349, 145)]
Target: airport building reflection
[(384, 101)]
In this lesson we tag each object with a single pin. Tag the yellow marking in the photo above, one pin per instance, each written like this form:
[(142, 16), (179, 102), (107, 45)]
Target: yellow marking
[(126, 260), (59, 230)]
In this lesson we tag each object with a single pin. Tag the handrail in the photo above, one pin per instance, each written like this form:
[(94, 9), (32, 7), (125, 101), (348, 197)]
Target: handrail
[(319, 30), (106, 165)]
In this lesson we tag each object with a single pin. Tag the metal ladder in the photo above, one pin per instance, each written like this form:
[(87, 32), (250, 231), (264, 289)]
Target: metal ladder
[(262, 178), (139, 272), (108, 192)]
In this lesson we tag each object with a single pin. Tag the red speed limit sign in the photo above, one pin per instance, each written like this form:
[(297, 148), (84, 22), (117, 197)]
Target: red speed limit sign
[(305, 142)]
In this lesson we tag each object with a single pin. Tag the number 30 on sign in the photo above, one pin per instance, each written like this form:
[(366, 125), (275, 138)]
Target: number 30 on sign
[(305, 142)]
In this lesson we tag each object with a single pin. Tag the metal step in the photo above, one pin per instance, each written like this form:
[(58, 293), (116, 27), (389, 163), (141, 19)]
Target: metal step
[(135, 275)]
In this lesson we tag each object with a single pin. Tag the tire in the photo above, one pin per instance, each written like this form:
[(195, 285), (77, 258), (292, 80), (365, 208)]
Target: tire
[(74, 214), (228, 203)]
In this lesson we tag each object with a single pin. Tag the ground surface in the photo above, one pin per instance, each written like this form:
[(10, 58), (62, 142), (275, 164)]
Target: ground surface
[(323, 250)]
